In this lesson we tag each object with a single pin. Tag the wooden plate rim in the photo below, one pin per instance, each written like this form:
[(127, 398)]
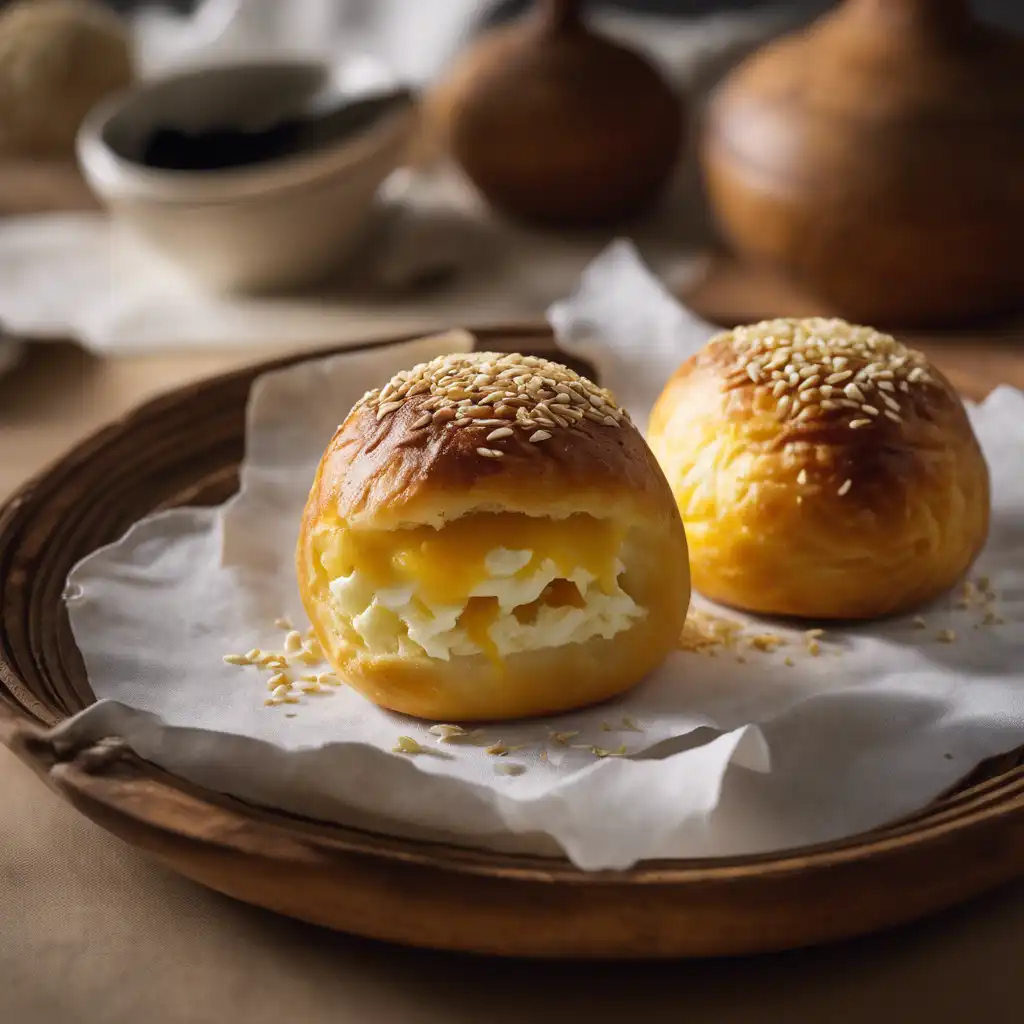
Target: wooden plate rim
[(110, 782)]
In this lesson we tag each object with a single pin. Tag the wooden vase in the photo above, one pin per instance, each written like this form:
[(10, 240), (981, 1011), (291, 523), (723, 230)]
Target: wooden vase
[(558, 126), (877, 158)]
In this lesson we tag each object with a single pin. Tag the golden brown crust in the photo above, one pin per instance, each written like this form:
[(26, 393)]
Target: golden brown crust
[(385, 470), (842, 506)]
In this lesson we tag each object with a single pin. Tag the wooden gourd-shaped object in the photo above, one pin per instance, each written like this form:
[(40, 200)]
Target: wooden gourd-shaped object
[(877, 158), (558, 126)]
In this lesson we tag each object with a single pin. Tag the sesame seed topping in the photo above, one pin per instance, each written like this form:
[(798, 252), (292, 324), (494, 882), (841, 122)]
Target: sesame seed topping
[(801, 477), (844, 489), (509, 392), (857, 424), (819, 366)]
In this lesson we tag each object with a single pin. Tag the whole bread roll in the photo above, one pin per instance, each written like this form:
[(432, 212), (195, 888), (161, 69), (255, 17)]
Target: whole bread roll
[(823, 470), (58, 58), (488, 536)]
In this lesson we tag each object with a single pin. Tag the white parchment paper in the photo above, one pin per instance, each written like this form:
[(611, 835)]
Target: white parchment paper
[(736, 754)]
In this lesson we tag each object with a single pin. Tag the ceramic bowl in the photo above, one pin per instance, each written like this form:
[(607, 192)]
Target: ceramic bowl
[(266, 226)]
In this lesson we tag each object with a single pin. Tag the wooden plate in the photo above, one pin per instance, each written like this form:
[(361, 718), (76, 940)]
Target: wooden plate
[(184, 448)]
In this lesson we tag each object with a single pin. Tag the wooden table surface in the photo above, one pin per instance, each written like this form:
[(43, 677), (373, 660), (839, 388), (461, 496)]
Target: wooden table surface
[(90, 931)]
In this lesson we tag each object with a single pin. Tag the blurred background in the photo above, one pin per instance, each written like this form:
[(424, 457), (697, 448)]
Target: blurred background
[(418, 164)]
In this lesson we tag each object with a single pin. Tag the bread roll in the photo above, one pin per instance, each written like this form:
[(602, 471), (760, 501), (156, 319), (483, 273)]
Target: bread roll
[(488, 537), (822, 470)]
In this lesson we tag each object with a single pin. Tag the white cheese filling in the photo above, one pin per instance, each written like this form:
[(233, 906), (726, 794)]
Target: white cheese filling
[(397, 620)]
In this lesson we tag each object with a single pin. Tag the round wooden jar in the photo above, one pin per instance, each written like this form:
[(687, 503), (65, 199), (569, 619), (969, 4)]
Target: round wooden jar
[(877, 158), (558, 126)]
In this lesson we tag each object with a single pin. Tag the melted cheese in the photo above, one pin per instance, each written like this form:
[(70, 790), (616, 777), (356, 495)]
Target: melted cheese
[(446, 564), (485, 584)]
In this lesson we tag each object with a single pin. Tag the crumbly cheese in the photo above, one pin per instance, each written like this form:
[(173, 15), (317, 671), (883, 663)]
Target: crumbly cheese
[(509, 609)]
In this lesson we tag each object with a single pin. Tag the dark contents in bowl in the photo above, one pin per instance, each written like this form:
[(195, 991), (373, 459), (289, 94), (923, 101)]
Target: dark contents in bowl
[(219, 148)]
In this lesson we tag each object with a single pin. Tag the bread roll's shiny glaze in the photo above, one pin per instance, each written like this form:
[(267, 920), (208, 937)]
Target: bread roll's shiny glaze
[(421, 453), (822, 470)]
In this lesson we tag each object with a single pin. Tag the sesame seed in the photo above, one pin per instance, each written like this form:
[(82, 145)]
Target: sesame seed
[(801, 477), (818, 359), (844, 489), (893, 416), (407, 745), (564, 737), (507, 391), (446, 733), (857, 424)]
